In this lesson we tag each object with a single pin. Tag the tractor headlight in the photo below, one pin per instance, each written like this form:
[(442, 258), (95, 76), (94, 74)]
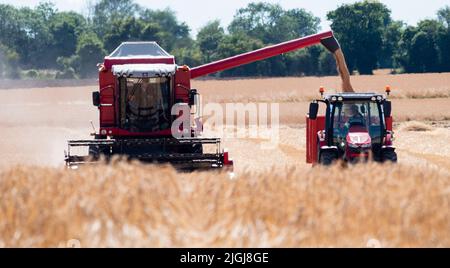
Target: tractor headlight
[(379, 98), (340, 99), (373, 99), (333, 99)]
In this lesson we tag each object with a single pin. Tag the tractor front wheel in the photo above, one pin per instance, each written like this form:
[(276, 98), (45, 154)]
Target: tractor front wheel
[(327, 158), (389, 155)]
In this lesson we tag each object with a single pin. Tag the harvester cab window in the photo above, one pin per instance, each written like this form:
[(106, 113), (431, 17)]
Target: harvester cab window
[(145, 104)]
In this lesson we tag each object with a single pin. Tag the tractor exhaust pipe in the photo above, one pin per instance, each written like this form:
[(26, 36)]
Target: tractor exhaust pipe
[(332, 45)]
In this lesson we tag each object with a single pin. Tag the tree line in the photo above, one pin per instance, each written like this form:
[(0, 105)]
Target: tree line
[(35, 41)]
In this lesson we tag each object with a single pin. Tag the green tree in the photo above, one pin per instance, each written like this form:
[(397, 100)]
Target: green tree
[(89, 53), (270, 23), (360, 27), (238, 43), (107, 11), (327, 63), (35, 48), (173, 34), (153, 32), (190, 56), (391, 40), (444, 16), (422, 47), (66, 28), (444, 38), (8, 63), (129, 29), (208, 38), (11, 29), (267, 24)]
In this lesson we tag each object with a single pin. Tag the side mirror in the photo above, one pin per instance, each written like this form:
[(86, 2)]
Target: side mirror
[(313, 110), (192, 96), (96, 98), (387, 107)]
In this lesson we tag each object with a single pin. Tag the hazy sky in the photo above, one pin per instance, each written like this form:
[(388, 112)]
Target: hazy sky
[(198, 12)]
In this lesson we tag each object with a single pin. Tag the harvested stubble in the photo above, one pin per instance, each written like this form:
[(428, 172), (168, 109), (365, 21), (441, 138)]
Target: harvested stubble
[(416, 126)]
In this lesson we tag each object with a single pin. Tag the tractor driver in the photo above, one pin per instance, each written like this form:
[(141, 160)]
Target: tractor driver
[(354, 111), (355, 116)]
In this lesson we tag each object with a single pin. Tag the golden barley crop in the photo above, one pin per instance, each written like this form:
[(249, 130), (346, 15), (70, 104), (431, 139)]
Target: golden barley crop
[(282, 202), (137, 205)]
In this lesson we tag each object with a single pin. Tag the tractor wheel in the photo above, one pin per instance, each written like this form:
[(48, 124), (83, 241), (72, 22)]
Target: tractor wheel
[(389, 155), (327, 158)]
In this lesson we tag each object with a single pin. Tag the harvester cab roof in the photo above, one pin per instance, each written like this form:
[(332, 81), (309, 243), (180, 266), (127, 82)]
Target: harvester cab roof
[(138, 50), (141, 59), (354, 96)]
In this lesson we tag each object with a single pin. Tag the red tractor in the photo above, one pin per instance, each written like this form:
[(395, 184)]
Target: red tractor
[(355, 127), (140, 83)]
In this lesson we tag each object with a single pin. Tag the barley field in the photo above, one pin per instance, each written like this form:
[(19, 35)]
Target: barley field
[(131, 205), (274, 198)]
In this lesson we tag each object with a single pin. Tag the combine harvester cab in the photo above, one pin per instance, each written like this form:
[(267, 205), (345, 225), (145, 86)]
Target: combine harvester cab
[(139, 83), (356, 127)]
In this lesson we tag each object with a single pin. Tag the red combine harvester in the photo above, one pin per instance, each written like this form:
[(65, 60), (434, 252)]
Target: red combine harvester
[(139, 85), (355, 127)]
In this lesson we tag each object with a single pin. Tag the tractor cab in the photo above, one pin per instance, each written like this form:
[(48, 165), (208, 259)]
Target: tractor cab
[(355, 127)]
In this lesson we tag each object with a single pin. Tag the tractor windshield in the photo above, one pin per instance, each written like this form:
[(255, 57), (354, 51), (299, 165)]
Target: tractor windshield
[(145, 104), (359, 116)]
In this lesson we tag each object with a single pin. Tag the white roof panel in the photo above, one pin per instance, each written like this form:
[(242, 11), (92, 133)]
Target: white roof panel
[(144, 70), (139, 50)]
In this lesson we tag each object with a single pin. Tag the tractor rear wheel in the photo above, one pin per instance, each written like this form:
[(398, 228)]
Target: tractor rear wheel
[(327, 158), (389, 155)]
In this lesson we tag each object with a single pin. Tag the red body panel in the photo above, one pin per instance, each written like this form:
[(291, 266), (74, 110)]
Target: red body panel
[(258, 55), (389, 122), (107, 100), (312, 127), (118, 132), (182, 85)]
